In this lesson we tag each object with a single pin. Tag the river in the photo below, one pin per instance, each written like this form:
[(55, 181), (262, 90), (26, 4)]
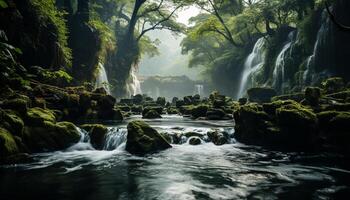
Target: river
[(206, 171)]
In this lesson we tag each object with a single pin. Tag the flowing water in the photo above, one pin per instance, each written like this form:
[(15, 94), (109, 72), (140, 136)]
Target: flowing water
[(310, 73), (134, 84), (101, 79), (253, 64), (206, 171), (198, 89), (279, 78)]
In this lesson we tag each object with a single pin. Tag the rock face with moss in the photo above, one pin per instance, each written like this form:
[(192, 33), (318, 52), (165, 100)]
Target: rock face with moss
[(97, 134), (144, 139)]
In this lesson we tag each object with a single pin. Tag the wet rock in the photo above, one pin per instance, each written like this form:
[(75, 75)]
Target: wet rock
[(195, 141), (18, 104), (158, 109), (106, 103), (217, 137), (142, 139), (333, 85), (172, 111), (179, 103), (199, 111), (215, 114), (101, 91), (37, 116), (312, 96), (8, 146), (137, 109), (242, 101), (97, 134), (137, 99), (188, 100), (50, 136), (261, 95), (152, 114), (11, 121)]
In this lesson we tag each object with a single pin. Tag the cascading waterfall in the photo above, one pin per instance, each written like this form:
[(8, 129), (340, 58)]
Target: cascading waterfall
[(279, 78), (309, 73), (253, 64), (115, 140), (134, 84), (101, 78), (198, 89)]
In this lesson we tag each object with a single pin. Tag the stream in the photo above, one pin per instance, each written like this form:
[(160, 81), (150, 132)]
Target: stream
[(206, 171)]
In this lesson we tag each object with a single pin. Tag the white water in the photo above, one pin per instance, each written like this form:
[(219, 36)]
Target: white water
[(101, 79), (198, 89), (309, 73), (134, 84), (279, 71), (253, 63)]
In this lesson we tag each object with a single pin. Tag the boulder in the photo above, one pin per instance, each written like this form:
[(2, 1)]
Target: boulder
[(333, 85), (142, 139), (188, 100), (137, 99), (217, 137), (158, 109), (8, 144), (215, 114), (37, 116), (312, 96), (12, 122), (106, 103), (242, 101), (97, 134), (152, 114), (172, 111), (18, 104), (100, 90), (199, 111), (49, 136), (261, 95), (194, 141)]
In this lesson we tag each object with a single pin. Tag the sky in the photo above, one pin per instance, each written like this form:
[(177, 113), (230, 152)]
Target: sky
[(170, 62)]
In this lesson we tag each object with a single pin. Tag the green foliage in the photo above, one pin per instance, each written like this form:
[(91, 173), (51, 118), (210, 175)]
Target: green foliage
[(3, 4), (57, 76), (48, 12)]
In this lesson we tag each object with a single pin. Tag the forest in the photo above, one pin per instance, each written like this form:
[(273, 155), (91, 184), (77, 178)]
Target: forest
[(266, 116)]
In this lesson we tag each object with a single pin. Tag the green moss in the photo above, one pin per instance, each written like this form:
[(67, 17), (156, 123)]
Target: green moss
[(8, 145), (37, 116), (59, 77), (97, 133), (49, 136), (152, 114), (199, 111), (13, 122), (295, 116), (18, 104), (47, 10), (270, 108), (144, 139)]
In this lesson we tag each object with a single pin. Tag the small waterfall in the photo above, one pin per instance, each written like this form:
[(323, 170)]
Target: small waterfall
[(279, 78), (133, 85), (253, 64), (198, 89), (101, 79), (310, 73), (115, 139)]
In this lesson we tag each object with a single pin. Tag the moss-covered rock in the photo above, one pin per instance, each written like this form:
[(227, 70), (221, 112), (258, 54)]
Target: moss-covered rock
[(20, 105), (298, 97), (37, 116), (158, 109), (50, 136), (152, 114), (199, 111), (215, 114), (97, 133), (312, 96), (124, 108), (172, 111), (194, 141), (217, 137), (137, 109), (261, 95), (12, 122), (144, 139), (8, 145), (333, 85), (270, 108)]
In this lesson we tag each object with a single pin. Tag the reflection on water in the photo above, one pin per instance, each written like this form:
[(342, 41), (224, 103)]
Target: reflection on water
[(232, 171)]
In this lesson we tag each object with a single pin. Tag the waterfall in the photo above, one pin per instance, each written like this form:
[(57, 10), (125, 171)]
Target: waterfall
[(309, 73), (253, 64), (279, 78), (101, 78), (115, 139), (198, 89), (133, 85)]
